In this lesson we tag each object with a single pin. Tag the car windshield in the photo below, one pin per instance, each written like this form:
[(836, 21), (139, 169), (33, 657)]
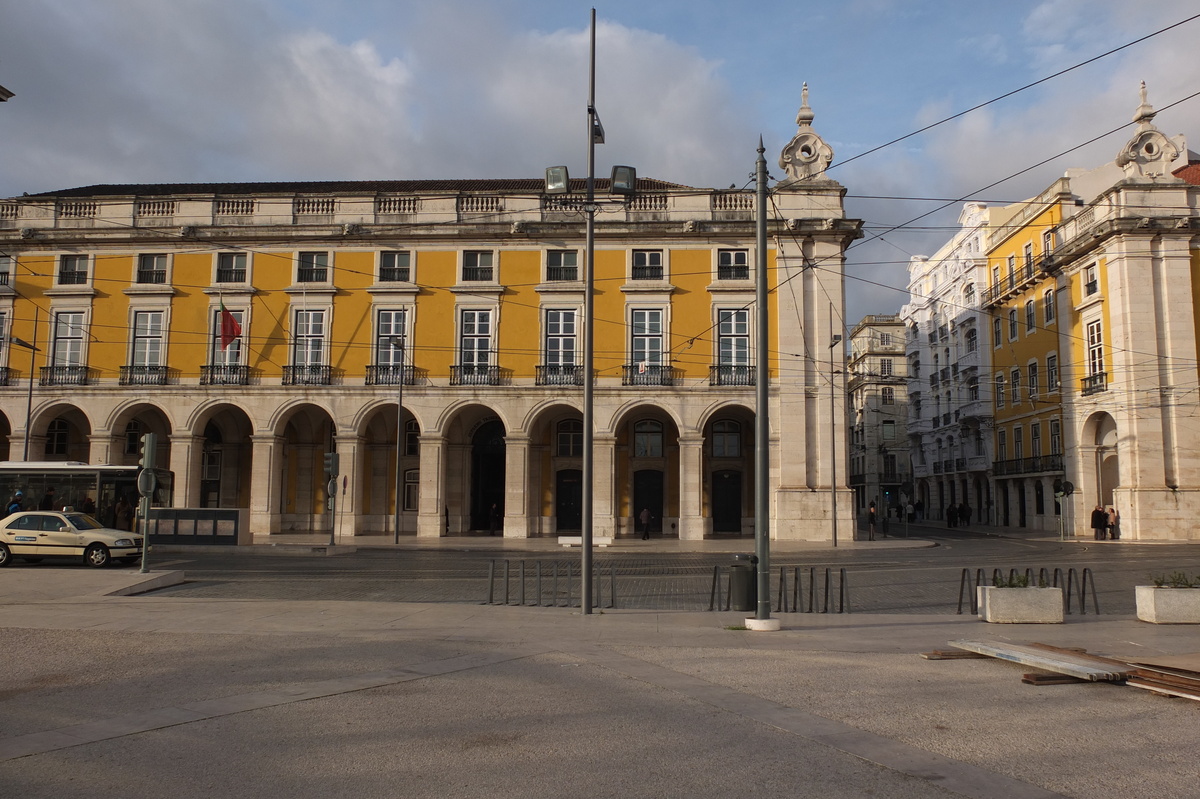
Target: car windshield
[(83, 522)]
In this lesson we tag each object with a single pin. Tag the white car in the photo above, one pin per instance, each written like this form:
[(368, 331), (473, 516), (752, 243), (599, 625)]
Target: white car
[(35, 534)]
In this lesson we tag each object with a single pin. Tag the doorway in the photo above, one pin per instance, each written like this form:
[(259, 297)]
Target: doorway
[(568, 500), (727, 502), (648, 493), (487, 474)]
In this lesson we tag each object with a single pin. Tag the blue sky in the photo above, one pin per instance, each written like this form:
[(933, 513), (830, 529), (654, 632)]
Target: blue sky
[(120, 91)]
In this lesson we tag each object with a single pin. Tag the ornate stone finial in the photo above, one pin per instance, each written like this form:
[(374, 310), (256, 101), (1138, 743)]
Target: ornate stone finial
[(1149, 153), (806, 155)]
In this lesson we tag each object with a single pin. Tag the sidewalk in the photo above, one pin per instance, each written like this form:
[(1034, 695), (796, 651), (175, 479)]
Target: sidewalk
[(292, 699)]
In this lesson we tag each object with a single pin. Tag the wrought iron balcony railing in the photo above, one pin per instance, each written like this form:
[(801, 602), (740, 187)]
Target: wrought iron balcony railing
[(391, 375), (559, 375), (143, 376), (647, 375), (64, 376), (731, 375), (474, 375), (307, 375), (224, 375), (1094, 384)]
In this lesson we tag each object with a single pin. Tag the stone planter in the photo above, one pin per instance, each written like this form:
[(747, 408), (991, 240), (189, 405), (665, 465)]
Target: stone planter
[(1168, 605), (1020, 605)]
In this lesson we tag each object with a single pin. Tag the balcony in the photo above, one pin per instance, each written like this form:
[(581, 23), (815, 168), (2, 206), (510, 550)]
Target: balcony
[(393, 274), (1094, 384), (72, 278), (729, 375), (647, 375), (225, 375), (227, 274), (648, 272), (7, 376), (307, 375), (1035, 465), (733, 272), (477, 274), (156, 277), (64, 376), (312, 274), (474, 375), (143, 376), (556, 274), (391, 375), (559, 375)]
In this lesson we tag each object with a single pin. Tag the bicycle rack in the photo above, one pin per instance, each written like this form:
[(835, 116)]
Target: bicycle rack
[(1070, 581), (568, 575)]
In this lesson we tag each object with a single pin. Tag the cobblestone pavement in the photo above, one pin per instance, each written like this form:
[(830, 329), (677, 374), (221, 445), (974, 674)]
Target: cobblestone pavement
[(926, 580)]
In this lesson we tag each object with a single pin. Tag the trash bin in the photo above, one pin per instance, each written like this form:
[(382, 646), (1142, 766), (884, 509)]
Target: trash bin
[(743, 583)]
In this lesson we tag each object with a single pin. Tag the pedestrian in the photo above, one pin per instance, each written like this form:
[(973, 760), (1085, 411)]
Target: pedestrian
[(87, 506), (493, 519), (47, 502), (871, 522), (908, 513), (16, 504), (644, 519), (123, 514), (1099, 522), (951, 515), (964, 514), (1114, 523), (919, 508)]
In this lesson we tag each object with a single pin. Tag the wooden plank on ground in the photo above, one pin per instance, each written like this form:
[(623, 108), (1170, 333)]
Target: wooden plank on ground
[(951, 654), (1161, 688), (1085, 667), (1037, 678)]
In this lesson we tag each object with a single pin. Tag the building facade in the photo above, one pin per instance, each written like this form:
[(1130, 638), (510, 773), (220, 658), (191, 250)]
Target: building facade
[(949, 394), (429, 333)]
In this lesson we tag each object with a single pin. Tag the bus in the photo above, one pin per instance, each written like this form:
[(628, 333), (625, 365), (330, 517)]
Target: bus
[(82, 487)]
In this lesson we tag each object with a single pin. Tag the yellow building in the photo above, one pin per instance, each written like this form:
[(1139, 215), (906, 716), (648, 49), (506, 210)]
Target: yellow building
[(256, 327)]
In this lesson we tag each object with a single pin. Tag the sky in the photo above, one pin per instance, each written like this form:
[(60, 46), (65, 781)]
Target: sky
[(145, 91)]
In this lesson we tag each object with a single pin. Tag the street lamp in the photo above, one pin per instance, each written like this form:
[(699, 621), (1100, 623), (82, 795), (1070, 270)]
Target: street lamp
[(834, 340), (624, 182)]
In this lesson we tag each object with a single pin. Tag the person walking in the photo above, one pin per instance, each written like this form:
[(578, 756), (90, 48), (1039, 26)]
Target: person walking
[(919, 508), (47, 502), (16, 504), (644, 520), (1114, 523), (964, 514), (951, 515), (493, 519), (871, 522), (1099, 522)]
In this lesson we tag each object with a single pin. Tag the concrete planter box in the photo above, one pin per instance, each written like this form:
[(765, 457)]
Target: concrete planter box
[(1020, 605), (1168, 605)]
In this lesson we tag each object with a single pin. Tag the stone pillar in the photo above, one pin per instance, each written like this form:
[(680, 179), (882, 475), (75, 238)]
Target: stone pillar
[(351, 462), (266, 484), (186, 455), (692, 525), (99, 448), (604, 486), (516, 486), (431, 520)]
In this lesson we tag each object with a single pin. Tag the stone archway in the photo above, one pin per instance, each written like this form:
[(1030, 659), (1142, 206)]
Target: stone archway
[(308, 433)]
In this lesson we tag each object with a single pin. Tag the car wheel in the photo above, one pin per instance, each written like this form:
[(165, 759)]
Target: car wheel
[(32, 560), (96, 556), (5, 557)]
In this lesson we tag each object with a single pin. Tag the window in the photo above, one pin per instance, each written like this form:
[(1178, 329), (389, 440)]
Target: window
[(231, 354), (391, 328), (395, 266), (133, 437), (477, 266), (647, 439), (1018, 443), (1055, 437), (726, 439), (1051, 372), (889, 430), (1094, 337), (1035, 439), (562, 265), (1001, 445), (147, 338), (973, 389), (887, 395), (733, 265), (57, 435), (885, 367), (1028, 253), (972, 340), (885, 339), (1030, 317), (1012, 324), (1016, 387), (560, 337), (570, 438), (313, 267), (996, 339), (72, 270), (1047, 242), (1012, 271), (1039, 498), (1090, 284), (1033, 380), (996, 276), (1048, 306), (647, 265), (733, 337), (999, 391), (309, 345), (6, 269), (68, 339), (412, 488), (475, 343), (647, 343), (231, 267), (152, 269)]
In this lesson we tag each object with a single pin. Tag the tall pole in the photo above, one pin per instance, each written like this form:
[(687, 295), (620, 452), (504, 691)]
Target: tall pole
[(834, 340), (762, 429), (589, 318), (399, 439), (29, 393)]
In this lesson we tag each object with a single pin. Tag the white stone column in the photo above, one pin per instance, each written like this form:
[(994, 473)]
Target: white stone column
[(99, 447), (692, 526), (604, 486), (516, 486), (431, 521), (186, 453), (265, 483), (350, 461)]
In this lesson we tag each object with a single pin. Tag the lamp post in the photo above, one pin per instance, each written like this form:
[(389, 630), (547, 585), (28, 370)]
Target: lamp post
[(397, 343), (834, 340)]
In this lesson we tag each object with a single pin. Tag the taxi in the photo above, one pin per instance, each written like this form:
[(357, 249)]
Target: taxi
[(35, 534)]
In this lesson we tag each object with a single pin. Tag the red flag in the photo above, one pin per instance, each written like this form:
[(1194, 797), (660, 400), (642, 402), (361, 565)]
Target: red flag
[(230, 329)]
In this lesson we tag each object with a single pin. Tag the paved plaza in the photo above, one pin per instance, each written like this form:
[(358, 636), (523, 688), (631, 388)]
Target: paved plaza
[(171, 692)]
